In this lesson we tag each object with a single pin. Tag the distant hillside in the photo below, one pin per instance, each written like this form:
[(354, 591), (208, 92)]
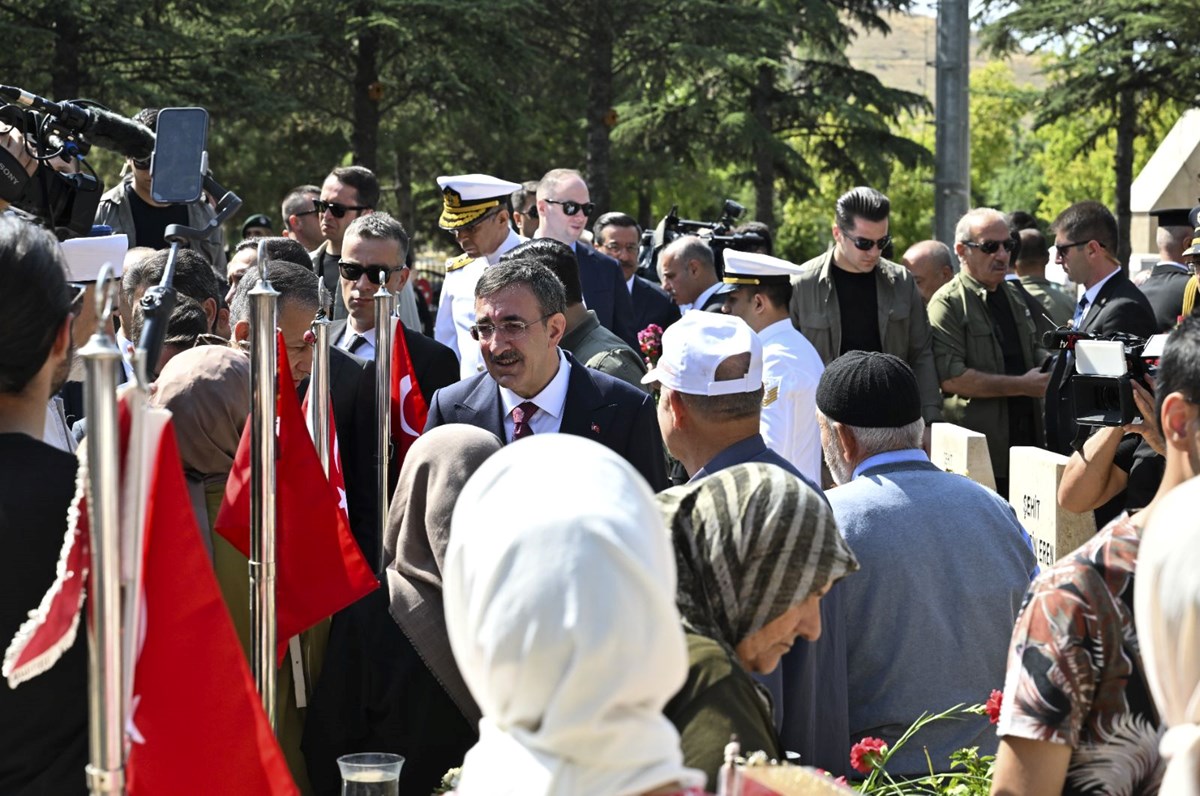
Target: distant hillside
[(904, 59)]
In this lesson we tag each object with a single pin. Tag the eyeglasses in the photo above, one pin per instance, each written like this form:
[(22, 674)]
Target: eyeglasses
[(513, 330), (312, 212), (614, 247), (992, 246), (141, 165), (866, 244), (354, 271), (339, 211), (571, 207), (78, 289), (1063, 248), (467, 229), (530, 213)]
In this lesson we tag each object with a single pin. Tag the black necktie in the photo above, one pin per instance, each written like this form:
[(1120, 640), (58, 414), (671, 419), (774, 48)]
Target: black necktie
[(356, 343)]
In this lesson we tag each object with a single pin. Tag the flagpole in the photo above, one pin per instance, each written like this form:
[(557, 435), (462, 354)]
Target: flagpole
[(106, 722), (385, 305), (264, 381), (318, 383)]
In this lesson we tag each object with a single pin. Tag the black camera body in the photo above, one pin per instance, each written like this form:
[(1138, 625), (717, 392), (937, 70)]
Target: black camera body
[(1092, 386), (718, 234)]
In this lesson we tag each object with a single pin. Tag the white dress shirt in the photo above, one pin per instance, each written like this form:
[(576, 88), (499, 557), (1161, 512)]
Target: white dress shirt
[(550, 403), (791, 370)]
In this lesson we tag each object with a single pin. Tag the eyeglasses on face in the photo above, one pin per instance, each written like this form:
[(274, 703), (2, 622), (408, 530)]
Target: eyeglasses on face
[(992, 246), (339, 211), (570, 207), (467, 229), (312, 212), (866, 244), (513, 330), (141, 165), (77, 290), (1064, 248), (616, 248), (354, 271), (531, 212)]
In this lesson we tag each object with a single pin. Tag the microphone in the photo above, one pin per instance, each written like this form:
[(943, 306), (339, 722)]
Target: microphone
[(102, 128)]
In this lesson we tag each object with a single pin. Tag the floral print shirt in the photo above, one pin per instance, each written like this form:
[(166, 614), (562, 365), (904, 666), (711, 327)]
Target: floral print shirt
[(1075, 674)]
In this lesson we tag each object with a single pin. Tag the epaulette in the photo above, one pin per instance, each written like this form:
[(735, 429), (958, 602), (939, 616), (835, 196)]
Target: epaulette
[(455, 263)]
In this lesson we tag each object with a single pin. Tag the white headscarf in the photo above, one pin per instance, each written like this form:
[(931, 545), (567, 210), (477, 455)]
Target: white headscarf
[(1167, 611), (559, 589)]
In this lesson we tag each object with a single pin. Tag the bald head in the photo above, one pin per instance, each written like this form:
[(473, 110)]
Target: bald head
[(932, 265)]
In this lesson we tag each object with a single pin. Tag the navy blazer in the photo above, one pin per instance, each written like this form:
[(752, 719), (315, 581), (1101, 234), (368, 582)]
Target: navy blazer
[(651, 304), (604, 292), (1120, 307), (598, 407)]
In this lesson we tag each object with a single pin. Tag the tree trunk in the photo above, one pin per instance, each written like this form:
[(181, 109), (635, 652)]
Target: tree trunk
[(66, 79), (402, 176), (1123, 164), (643, 208), (364, 135), (599, 68), (764, 163)]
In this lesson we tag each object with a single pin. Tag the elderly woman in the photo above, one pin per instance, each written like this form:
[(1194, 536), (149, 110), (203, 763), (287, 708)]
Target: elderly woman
[(559, 592), (390, 683), (756, 549), (1166, 608)]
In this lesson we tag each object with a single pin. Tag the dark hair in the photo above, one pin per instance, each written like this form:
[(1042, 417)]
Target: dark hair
[(34, 300), (295, 284), (761, 230), (362, 180), (193, 275), (520, 196), (1084, 221), (555, 255), (1033, 246), (148, 117), (288, 249), (186, 324), (1019, 220), (728, 407), (1179, 368), (861, 202), (778, 293), (379, 226), (613, 220), (547, 289), (298, 200)]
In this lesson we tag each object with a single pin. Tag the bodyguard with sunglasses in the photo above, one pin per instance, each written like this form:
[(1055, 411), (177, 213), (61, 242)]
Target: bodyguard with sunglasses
[(852, 298), (985, 343)]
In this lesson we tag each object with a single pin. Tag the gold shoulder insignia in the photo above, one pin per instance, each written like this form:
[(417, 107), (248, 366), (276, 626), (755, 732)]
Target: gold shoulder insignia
[(771, 394), (455, 263)]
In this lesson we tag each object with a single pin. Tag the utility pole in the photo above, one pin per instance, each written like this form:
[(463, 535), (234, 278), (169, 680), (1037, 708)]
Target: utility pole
[(952, 156)]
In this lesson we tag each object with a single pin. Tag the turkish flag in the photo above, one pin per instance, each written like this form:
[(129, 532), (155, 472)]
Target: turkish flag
[(319, 568), (409, 408)]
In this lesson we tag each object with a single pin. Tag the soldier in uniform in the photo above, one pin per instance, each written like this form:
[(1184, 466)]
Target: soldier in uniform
[(476, 210), (1169, 278), (758, 289)]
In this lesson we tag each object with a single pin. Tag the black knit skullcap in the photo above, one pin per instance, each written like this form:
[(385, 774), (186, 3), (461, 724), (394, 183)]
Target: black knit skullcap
[(869, 390)]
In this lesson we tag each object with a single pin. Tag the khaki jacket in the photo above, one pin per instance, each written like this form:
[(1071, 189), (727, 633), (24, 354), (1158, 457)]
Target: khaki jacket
[(903, 325), (963, 338)]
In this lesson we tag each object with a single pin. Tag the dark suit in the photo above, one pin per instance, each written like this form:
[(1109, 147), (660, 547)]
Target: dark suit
[(598, 407), (605, 294), (1164, 291), (352, 385), (651, 304), (1120, 307)]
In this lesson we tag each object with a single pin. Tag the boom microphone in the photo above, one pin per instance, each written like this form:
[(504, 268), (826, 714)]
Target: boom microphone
[(102, 128)]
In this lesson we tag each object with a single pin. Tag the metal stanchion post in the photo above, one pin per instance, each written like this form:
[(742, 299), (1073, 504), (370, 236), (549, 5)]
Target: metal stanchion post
[(385, 304)]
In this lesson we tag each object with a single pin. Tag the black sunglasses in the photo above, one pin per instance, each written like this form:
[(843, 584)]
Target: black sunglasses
[(77, 289), (339, 211), (1063, 248), (571, 207), (992, 246), (866, 244), (354, 271)]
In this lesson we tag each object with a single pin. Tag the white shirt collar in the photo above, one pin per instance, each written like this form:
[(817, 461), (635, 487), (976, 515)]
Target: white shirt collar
[(629, 282), (348, 337), (511, 242), (1091, 293), (550, 400), (777, 329)]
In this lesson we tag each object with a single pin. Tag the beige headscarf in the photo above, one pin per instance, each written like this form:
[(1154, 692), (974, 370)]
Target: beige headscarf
[(1166, 608), (560, 587), (207, 389), (435, 469)]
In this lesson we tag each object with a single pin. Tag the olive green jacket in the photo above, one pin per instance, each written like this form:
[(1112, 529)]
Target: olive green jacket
[(903, 325), (1058, 305), (963, 338)]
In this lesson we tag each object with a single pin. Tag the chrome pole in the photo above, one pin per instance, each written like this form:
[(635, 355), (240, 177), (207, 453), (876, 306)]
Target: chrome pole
[(106, 768), (318, 382), (385, 305), (263, 385)]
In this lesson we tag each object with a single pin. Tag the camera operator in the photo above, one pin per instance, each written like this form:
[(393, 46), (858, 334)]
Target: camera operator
[(130, 208), (1118, 468)]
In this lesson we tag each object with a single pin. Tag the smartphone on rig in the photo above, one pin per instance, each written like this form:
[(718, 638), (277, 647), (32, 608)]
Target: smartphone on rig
[(180, 158)]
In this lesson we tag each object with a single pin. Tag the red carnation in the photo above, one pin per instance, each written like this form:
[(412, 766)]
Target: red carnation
[(993, 706), (868, 754)]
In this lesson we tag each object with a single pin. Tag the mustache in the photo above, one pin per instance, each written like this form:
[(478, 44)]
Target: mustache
[(507, 358)]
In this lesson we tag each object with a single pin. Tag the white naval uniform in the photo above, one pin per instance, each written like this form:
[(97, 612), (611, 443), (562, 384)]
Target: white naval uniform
[(456, 308), (791, 370)]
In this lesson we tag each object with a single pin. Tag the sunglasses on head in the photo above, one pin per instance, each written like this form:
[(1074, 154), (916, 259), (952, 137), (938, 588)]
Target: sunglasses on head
[(570, 207), (354, 271), (339, 211), (992, 246), (866, 244)]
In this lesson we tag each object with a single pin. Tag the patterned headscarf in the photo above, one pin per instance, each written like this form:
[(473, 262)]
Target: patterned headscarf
[(751, 541)]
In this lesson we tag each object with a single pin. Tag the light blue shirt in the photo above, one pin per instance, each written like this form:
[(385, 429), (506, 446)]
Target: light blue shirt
[(889, 457)]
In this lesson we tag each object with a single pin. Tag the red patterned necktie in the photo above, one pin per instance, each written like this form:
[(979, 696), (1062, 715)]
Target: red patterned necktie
[(521, 415)]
